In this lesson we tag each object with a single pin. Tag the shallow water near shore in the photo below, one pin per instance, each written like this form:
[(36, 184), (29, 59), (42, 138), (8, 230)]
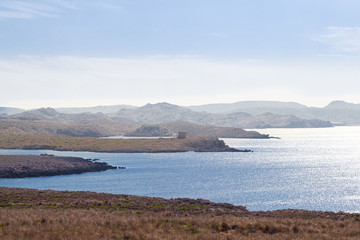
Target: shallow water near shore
[(313, 169)]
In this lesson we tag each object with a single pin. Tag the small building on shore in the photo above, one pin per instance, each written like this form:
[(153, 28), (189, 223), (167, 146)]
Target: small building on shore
[(181, 135)]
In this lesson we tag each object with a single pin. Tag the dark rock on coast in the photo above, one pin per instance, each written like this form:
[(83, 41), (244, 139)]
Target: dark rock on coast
[(210, 145), (20, 166)]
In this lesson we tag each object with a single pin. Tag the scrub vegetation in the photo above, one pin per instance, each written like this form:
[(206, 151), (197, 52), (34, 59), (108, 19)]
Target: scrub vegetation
[(35, 214), (65, 143)]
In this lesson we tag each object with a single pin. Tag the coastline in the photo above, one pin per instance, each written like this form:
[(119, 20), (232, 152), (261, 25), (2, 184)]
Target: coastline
[(162, 145), (22, 166), (88, 215)]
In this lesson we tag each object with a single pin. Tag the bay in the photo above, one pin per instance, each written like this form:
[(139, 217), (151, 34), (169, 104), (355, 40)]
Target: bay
[(313, 169)]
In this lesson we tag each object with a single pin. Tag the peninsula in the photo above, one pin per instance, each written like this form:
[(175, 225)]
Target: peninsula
[(20, 166), (91, 144)]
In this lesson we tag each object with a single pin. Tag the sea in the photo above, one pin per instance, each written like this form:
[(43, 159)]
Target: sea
[(307, 168)]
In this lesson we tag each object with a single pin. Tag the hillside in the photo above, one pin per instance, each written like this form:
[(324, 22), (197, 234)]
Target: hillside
[(96, 109), (337, 112), (165, 112), (31, 214), (252, 107), (158, 113), (50, 121), (172, 128), (84, 128), (343, 105), (53, 115), (5, 111)]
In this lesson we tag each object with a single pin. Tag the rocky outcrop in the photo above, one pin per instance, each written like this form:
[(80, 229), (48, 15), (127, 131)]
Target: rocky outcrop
[(20, 166), (150, 131), (193, 130), (211, 145)]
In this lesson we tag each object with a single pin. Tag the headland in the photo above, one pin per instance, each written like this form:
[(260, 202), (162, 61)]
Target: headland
[(20, 166), (91, 144)]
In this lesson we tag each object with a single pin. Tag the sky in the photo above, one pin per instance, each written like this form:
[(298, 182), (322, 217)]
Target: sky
[(66, 53)]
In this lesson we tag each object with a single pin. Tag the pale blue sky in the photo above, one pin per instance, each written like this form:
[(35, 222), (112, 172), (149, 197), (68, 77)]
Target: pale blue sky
[(77, 52)]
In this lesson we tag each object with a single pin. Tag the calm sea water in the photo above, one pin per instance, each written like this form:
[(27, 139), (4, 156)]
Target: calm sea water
[(314, 169)]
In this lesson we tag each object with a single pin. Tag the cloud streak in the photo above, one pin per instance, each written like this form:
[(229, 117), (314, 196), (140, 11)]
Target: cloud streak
[(342, 40), (31, 9), (22, 9)]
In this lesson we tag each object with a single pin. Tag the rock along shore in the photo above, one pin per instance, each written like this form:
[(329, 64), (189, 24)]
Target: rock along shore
[(20, 166)]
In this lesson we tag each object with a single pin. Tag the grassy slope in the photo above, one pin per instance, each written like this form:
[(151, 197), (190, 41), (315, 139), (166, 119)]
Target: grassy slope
[(63, 143), (34, 214), (84, 128)]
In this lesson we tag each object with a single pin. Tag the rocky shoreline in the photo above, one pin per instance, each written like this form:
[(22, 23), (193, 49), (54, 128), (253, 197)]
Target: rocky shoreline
[(21, 166)]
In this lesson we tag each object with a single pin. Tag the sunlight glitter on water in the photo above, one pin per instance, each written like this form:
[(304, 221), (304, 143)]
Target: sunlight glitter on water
[(314, 169)]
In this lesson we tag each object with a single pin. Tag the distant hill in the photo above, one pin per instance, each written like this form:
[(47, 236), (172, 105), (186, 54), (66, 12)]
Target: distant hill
[(337, 112), (343, 105), (151, 130), (4, 111), (96, 109), (193, 130), (53, 115), (165, 112), (161, 113), (49, 121), (252, 107), (86, 128)]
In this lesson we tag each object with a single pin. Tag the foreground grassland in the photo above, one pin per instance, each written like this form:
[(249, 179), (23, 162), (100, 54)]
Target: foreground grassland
[(34, 214), (64, 143)]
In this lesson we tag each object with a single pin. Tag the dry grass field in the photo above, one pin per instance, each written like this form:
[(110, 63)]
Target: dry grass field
[(33, 214), (64, 143)]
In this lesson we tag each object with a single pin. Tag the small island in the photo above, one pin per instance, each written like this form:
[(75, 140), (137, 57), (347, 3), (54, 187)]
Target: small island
[(20, 166)]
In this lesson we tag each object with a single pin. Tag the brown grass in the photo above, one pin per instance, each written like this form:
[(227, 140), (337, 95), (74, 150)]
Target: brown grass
[(32, 214), (63, 143), (84, 128)]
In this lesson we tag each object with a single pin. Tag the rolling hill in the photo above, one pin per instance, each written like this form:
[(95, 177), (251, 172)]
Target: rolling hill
[(337, 112), (165, 112), (172, 128)]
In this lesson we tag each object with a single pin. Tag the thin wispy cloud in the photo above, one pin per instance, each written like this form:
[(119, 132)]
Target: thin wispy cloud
[(32, 9), (342, 40), (49, 8), (15, 14)]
